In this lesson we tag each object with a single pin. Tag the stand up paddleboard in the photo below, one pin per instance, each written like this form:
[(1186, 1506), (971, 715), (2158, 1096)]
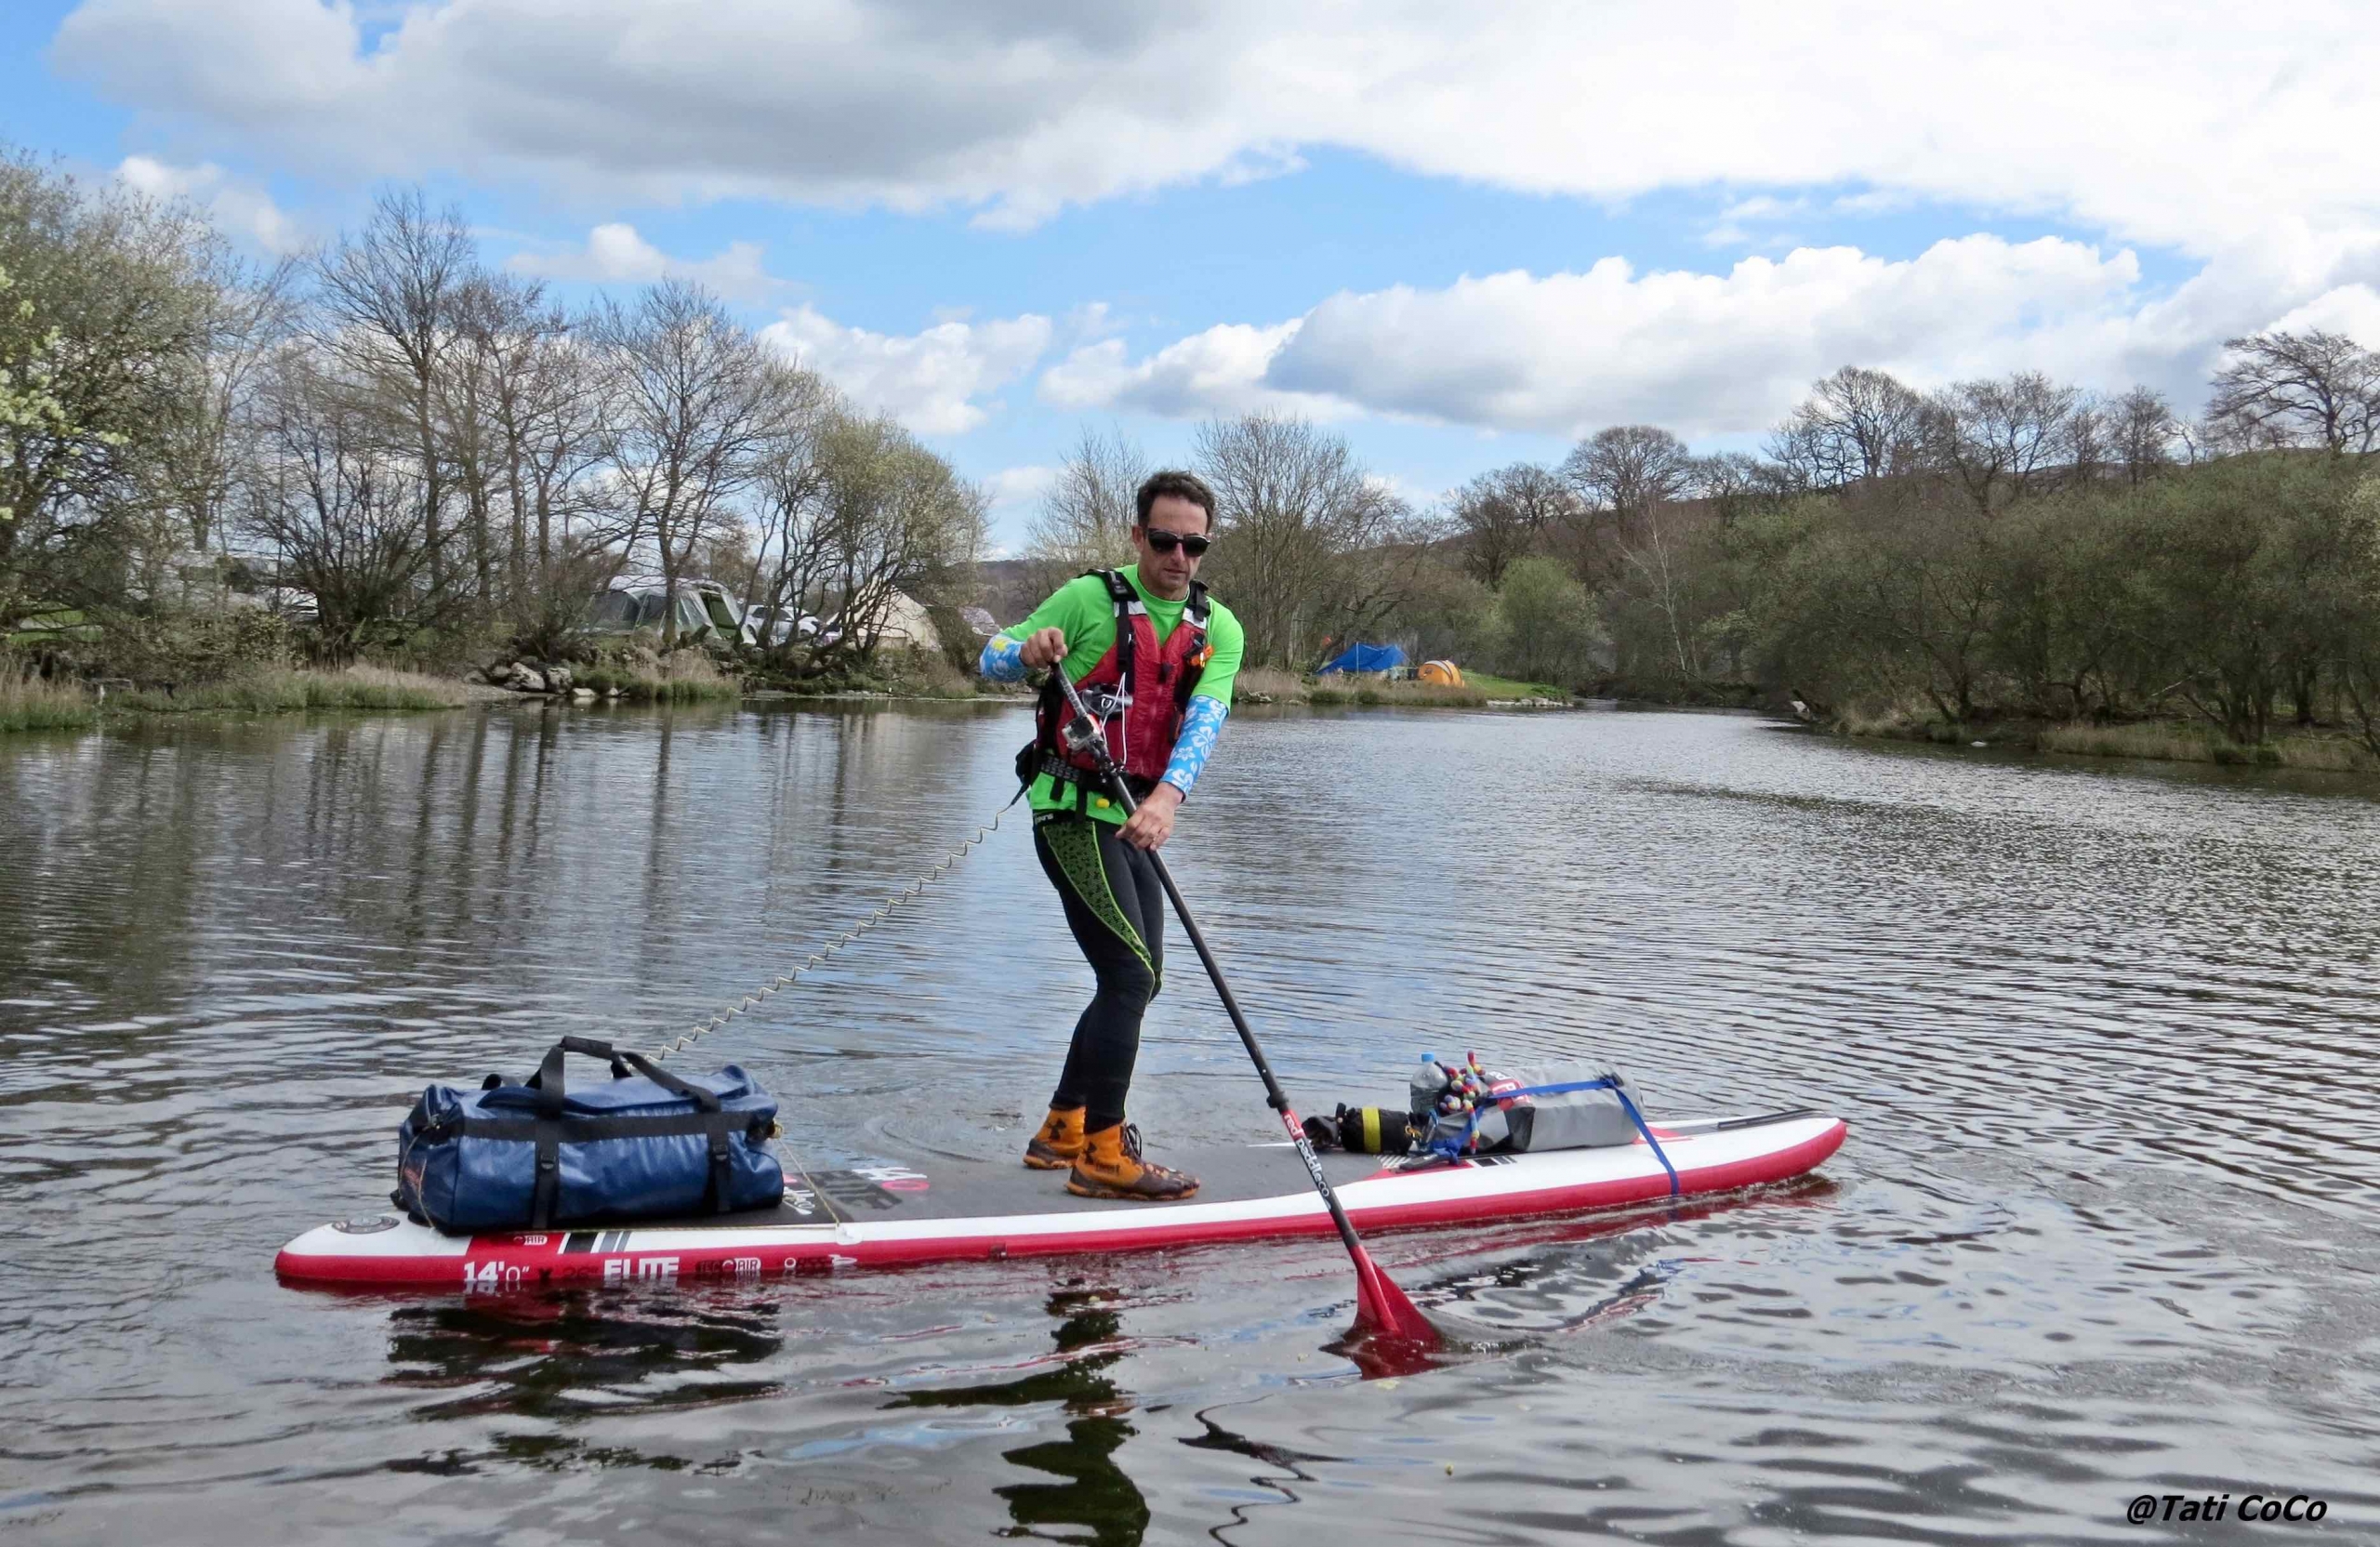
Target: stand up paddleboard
[(955, 1211)]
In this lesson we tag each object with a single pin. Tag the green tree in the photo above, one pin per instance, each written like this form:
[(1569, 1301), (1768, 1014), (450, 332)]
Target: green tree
[(104, 337), (1546, 623), (2241, 553)]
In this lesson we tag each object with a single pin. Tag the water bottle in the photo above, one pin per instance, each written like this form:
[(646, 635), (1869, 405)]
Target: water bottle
[(1428, 1084)]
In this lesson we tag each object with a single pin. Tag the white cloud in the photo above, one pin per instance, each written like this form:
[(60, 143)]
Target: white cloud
[(1012, 487), (615, 254), (931, 381), (1713, 354), (1734, 227), (1219, 371), (236, 205), (2353, 309), (2181, 133), (2237, 139)]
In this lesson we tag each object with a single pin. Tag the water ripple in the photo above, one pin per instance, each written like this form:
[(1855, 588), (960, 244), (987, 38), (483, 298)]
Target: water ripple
[(2102, 1227)]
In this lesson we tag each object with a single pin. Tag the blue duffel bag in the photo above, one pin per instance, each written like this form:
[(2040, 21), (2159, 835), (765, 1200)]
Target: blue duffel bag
[(646, 1145)]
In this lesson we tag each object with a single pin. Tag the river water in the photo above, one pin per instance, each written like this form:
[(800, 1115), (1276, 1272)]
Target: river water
[(2103, 1226)]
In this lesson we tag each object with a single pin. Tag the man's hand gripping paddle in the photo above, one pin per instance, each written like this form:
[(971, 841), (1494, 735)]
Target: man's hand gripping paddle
[(1381, 1309)]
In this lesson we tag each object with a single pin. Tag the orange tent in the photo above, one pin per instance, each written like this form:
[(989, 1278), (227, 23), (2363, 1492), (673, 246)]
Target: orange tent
[(1444, 673)]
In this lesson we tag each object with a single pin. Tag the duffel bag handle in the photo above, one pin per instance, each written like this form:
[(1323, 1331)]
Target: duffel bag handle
[(550, 1079)]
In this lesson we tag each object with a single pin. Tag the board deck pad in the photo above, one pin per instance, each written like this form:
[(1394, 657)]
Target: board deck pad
[(947, 1189), (936, 1208)]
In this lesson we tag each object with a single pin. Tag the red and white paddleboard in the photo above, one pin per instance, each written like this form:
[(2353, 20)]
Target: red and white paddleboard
[(952, 1211)]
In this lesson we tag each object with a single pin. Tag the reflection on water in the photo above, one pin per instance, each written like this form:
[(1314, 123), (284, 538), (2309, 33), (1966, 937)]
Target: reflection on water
[(1095, 1493), (2102, 1227), (568, 1355)]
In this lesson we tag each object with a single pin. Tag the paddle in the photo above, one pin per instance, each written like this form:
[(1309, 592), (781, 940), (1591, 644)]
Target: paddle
[(1381, 1309)]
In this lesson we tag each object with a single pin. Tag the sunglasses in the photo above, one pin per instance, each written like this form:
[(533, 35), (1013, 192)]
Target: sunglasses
[(1165, 542)]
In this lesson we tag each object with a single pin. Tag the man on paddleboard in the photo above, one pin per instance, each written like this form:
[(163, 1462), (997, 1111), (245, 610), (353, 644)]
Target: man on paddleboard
[(1153, 657)]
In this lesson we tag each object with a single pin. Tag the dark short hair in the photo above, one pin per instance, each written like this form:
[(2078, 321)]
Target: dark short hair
[(1182, 485)]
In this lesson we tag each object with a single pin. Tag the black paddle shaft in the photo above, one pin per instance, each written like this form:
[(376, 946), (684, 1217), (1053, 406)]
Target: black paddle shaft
[(1095, 744)]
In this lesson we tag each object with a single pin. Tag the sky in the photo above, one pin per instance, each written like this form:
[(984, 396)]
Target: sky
[(1460, 236)]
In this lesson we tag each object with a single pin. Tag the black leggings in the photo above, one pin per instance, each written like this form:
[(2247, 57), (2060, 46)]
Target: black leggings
[(1116, 906)]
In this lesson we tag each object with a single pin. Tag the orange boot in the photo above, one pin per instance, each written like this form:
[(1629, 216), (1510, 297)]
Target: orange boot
[(1112, 1167), (1060, 1144)]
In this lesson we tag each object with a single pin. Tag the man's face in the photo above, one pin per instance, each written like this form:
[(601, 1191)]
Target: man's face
[(1169, 574)]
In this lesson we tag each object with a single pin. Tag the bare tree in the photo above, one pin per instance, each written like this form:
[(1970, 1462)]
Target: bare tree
[(2298, 389), (2002, 440), (1296, 511), (1508, 514), (251, 313), (1086, 519), (390, 299), (1629, 469), (1620, 474), (897, 521), (535, 400), (2142, 432), (1735, 483), (1856, 424), (792, 501), (693, 409), (469, 444), (342, 502), (1653, 549)]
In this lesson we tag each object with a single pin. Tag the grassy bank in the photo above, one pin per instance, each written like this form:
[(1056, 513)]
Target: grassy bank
[(2162, 741), (1478, 689), (680, 677), (39, 706), (278, 691), (31, 704), (1502, 688), (1409, 696), (2185, 742)]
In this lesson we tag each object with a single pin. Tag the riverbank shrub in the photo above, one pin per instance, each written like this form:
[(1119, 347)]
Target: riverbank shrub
[(638, 676), (285, 691), (900, 673), (2183, 742), (1410, 695), (917, 674), (35, 704), (172, 647)]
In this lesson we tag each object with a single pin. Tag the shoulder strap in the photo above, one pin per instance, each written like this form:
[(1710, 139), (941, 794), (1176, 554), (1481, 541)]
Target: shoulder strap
[(1128, 604), (1194, 617)]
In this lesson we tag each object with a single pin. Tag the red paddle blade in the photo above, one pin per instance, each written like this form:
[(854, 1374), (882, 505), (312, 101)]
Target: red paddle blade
[(1382, 1310)]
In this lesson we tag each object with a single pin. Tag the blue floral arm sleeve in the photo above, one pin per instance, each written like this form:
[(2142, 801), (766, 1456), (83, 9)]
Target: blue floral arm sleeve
[(1003, 659), (1201, 724)]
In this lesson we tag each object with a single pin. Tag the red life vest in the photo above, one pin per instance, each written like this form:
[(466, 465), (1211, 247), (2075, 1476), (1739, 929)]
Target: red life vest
[(1139, 691)]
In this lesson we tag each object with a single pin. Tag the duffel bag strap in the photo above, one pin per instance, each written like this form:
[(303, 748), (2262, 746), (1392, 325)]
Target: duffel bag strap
[(549, 1079), (550, 1092)]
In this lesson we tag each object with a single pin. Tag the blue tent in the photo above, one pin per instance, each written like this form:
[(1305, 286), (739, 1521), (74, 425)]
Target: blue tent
[(1365, 657)]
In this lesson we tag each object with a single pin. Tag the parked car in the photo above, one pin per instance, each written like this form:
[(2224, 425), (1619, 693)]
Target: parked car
[(775, 625)]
